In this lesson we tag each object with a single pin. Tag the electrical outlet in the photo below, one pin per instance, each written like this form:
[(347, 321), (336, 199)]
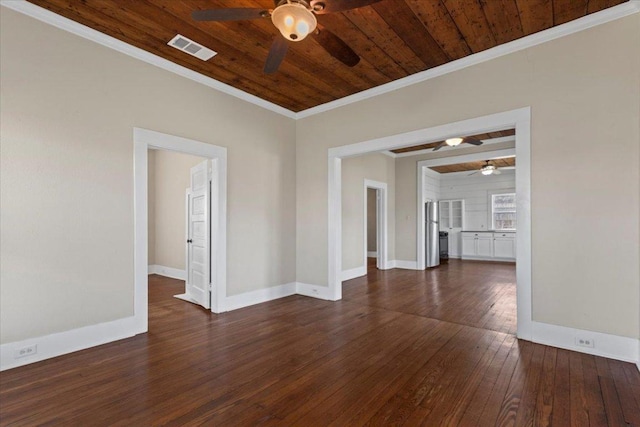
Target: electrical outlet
[(585, 342), (25, 351)]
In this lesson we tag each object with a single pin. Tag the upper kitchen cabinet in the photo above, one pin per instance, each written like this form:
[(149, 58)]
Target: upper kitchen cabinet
[(452, 221), (451, 214)]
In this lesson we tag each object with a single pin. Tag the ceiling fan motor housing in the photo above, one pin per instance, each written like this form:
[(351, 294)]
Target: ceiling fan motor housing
[(294, 19)]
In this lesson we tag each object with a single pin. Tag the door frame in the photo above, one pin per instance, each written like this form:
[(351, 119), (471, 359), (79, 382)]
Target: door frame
[(520, 119), (144, 140), (382, 260)]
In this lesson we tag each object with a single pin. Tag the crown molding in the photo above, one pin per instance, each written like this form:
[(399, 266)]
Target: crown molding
[(620, 11), (85, 32), (571, 27)]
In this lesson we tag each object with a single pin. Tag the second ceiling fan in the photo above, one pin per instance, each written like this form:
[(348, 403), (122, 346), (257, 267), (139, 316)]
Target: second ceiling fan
[(295, 19), (490, 168)]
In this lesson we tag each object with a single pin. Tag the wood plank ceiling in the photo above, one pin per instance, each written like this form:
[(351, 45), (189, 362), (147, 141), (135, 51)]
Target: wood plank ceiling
[(480, 136), (475, 166), (394, 38)]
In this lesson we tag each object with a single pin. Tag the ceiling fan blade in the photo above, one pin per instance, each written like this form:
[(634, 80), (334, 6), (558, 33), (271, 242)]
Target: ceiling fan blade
[(472, 141), (229, 14), (277, 53), (336, 47), (496, 172), (473, 173), (439, 146), (321, 7)]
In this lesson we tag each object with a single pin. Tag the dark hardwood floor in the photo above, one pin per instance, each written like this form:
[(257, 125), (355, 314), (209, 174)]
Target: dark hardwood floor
[(299, 361), (472, 293)]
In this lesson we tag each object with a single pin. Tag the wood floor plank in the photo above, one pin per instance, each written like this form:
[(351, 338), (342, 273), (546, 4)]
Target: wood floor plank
[(628, 394), (421, 392), (458, 394), (593, 393), (402, 347), (544, 402), (525, 414), (579, 405), (615, 416), (349, 409), (483, 392), (561, 412), (494, 404)]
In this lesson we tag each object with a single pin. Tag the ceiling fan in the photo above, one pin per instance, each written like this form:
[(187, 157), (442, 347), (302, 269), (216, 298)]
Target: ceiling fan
[(295, 19), (452, 142), (490, 168)]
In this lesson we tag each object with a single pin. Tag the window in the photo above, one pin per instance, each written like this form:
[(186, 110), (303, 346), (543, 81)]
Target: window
[(503, 211)]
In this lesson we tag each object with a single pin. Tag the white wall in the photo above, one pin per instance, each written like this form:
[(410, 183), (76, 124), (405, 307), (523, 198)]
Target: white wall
[(431, 184), (67, 113), (170, 180), (583, 89), (475, 190), (376, 167)]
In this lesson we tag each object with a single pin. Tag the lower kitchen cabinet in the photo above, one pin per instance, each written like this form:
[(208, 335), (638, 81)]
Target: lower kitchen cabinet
[(489, 246), (504, 245)]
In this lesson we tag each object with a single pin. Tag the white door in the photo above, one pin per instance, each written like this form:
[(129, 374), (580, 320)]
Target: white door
[(199, 236)]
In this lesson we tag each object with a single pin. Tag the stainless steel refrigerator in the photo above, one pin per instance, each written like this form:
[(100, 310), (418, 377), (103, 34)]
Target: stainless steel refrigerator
[(431, 235)]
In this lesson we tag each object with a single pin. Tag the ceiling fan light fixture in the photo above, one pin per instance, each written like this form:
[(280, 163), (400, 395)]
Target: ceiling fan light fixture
[(487, 170), (294, 20), (452, 142)]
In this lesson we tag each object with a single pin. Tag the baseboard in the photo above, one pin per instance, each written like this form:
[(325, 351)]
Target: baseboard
[(354, 272), (314, 291), (372, 254), (171, 272), (246, 299), (407, 265), (605, 345), (54, 345), (479, 258)]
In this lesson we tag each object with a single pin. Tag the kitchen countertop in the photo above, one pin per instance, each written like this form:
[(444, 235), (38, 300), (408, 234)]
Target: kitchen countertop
[(487, 231)]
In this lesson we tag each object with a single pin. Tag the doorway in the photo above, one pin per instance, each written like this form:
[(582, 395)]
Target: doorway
[(375, 223), (519, 119), (143, 141), (179, 227), (476, 212)]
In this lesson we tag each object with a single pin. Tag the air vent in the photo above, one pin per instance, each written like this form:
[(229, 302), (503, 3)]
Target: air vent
[(191, 47)]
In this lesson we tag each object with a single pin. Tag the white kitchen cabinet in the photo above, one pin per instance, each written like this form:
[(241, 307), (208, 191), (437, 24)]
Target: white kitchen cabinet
[(451, 214), (484, 246), (504, 245), (452, 221), (454, 244), (488, 246), (468, 245), (476, 245)]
